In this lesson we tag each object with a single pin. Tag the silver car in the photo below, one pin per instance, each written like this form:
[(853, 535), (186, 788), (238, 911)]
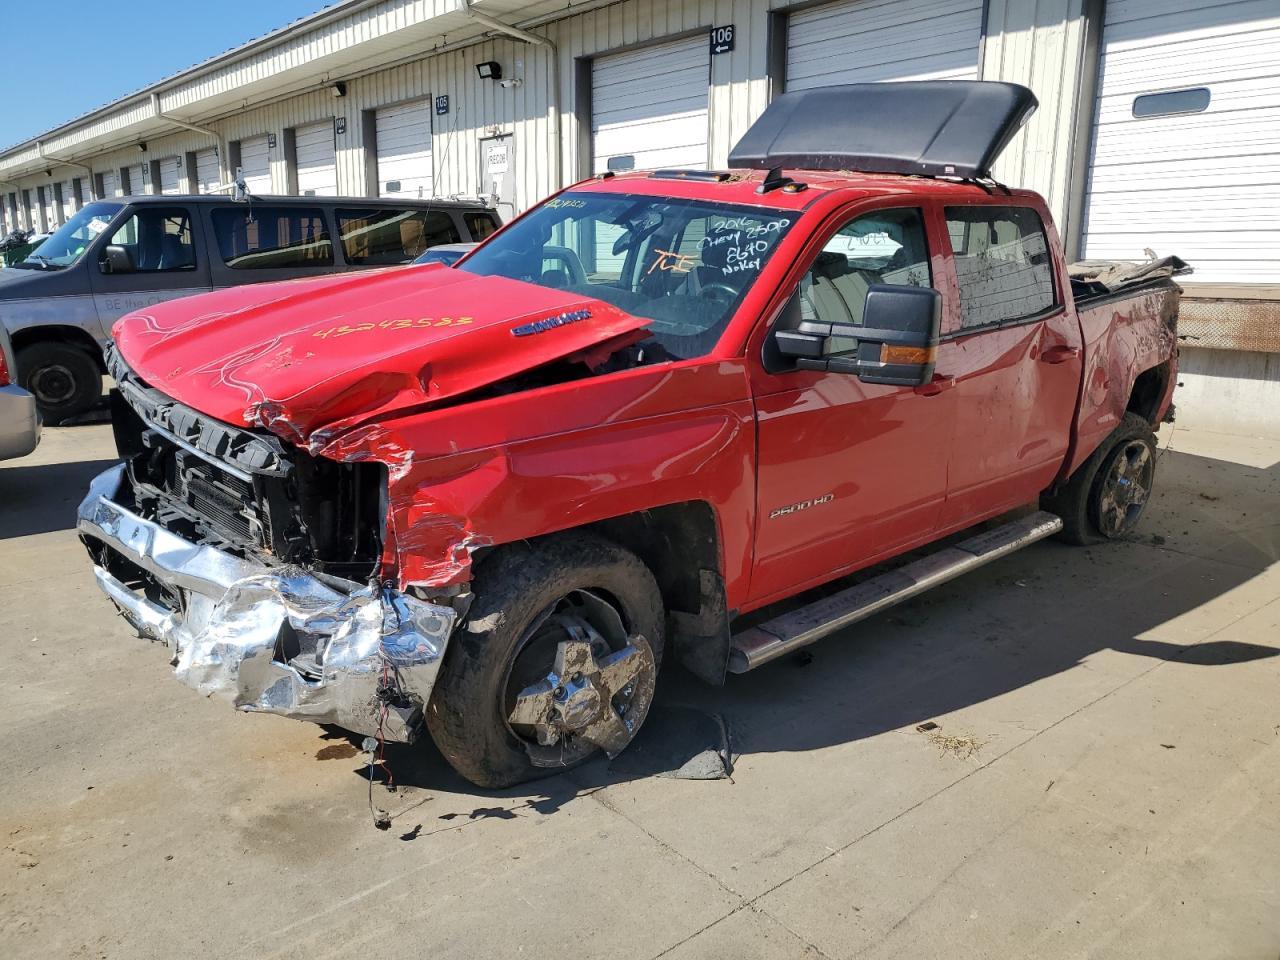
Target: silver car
[(19, 421)]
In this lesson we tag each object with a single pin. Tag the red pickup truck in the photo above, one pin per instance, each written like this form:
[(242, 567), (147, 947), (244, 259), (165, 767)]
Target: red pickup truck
[(488, 499)]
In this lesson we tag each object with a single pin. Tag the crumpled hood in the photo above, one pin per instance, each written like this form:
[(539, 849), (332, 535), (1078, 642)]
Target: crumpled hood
[(334, 351)]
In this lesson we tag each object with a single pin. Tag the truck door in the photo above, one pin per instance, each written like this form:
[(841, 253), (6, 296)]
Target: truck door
[(151, 256), (1015, 358), (847, 471)]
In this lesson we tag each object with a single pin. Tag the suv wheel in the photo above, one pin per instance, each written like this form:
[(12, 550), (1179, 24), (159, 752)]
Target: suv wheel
[(64, 379), (557, 661)]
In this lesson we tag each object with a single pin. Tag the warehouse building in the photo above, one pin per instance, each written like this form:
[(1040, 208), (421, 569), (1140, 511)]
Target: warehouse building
[(1158, 127)]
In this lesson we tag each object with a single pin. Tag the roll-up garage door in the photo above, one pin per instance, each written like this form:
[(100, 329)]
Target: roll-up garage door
[(255, 164), (68, 200), (862, 41), (170, 175), (208, 176), (649, 107), (138, 181), (48, 208), (404, 150), (317, 161), (1186, 152), (110, 184)]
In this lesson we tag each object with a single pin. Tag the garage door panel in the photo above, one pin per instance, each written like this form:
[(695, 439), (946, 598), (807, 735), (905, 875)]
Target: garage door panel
[(859, 42), (1204, 185), (1221, 60), (1136, 21), (208, 177), (255, 164), (316, 154), (170, 175), (405, 163), (629, 118)]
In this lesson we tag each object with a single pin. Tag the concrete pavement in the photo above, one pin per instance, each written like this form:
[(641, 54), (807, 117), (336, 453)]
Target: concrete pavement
[(1103, 780)]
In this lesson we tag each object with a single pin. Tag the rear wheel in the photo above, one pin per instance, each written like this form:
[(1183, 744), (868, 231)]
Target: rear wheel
[(557, 661), (1107, 495), (64, 379)]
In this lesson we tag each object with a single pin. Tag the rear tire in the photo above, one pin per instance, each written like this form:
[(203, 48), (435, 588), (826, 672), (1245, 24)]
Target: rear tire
[(517, 592), (64, 378), (1107, 495)]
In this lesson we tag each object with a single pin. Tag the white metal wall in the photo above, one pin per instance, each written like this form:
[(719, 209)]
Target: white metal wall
[(862, 41), (1204, 185), (403, 138), (317, 160)]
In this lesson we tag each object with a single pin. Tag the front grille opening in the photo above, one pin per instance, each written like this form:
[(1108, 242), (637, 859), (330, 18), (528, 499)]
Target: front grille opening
[(317, 513)]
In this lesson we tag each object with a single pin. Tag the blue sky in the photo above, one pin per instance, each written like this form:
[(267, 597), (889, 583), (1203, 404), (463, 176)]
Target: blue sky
[(67, 57)]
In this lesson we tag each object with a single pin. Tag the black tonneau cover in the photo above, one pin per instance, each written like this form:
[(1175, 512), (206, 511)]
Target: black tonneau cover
[(949, 128)]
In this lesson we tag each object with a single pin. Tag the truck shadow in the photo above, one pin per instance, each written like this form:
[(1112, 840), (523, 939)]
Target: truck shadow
[(999, 631), (43, 497)]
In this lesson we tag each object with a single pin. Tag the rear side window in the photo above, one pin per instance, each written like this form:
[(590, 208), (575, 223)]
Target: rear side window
[(480, 223), (254, 237), (390, 236), (1002, 264)]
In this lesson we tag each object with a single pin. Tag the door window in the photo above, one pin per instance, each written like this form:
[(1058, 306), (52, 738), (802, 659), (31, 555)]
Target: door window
[(1002, 264), (885, 246), (254, 237), (390, 236), (155, 239)]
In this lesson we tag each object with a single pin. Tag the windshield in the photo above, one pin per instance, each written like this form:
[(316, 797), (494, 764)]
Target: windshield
[(684, 264), (70, 240)]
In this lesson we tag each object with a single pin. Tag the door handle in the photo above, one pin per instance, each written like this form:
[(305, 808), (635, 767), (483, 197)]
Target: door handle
[(1060, 354), (935, 386)]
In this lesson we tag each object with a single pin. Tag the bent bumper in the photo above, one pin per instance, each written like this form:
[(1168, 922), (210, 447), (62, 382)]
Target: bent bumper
[(271, 640), (19, 422)]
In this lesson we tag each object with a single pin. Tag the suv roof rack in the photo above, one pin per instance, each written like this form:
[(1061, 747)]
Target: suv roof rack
[(941, 128)]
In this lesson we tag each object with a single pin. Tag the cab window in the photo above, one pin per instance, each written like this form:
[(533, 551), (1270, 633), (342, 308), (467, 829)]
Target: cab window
[(1002, 262), (481, 224), (154, 239), (885, 246)]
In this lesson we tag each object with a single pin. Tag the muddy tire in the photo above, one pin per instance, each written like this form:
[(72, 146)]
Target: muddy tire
[(64, 379), (1107, 495), (526, 597)]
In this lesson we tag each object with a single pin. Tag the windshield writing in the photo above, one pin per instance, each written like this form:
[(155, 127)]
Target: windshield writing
[(684, 264)]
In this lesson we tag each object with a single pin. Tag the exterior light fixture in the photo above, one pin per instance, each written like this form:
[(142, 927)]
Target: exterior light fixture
[(142, 147), (338, 90), (489, 70)]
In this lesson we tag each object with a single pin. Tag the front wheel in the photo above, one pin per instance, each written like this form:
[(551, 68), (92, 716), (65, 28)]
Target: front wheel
[(557, 661), (1107, 495), (64, 379)]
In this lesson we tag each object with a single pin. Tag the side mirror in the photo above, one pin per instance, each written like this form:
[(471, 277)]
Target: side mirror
[(115, 260), (896, 343)]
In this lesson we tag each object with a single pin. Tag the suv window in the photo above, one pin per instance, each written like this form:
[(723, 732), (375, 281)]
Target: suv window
[(389, 236), (254, 237), (480, 223), (156, 239), (885, 246), (1002, 263)]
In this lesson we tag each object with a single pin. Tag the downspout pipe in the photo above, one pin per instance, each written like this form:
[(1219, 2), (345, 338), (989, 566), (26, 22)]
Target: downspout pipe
[(218, 137), (554, 52), (69, 163)]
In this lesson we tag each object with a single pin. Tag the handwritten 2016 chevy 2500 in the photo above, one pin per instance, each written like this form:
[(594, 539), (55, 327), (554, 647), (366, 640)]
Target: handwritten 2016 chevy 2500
[(488, 499)]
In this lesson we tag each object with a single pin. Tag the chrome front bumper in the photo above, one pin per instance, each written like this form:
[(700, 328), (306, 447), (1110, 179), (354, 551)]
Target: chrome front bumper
[(271, 640)]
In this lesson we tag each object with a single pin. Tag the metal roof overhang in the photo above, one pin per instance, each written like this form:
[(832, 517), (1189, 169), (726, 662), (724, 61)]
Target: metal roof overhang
[(348, 38)]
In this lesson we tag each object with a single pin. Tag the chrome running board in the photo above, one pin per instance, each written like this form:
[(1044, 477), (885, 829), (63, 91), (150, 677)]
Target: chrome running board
[(790, 631)]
